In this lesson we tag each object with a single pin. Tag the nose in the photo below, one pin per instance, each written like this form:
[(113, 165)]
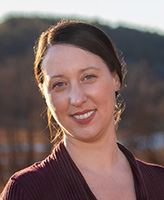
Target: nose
[(77, 96)]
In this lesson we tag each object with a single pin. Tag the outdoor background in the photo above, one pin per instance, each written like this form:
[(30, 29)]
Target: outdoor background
[(137, 30)]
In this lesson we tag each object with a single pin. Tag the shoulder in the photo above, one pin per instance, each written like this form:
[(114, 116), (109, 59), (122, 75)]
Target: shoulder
[(148, 178), (143, 167), (31, 182), (153, 178), (12, 190), (17, 185), (151, 170)]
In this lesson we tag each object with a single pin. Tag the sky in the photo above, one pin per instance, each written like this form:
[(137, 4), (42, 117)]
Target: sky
[(140, 14)]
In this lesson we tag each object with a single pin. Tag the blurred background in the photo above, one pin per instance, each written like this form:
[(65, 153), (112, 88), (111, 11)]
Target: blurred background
[(137, 30)]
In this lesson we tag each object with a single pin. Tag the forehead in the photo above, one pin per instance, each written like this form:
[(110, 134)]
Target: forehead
[(59, 51), (61, 56)]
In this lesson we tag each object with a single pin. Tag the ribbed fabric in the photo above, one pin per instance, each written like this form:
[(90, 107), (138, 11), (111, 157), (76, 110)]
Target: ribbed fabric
[(58, 178)]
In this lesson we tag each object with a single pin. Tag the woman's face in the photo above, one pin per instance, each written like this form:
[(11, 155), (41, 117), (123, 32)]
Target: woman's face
[(80, 91)]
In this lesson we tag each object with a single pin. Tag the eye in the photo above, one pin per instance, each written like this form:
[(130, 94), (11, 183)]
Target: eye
[(59, 85), (89, 77)]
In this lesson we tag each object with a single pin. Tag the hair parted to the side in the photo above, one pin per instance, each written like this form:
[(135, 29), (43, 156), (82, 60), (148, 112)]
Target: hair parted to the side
[(84, 36)]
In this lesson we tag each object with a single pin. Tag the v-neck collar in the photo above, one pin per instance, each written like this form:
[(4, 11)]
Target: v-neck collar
[(139, 184)]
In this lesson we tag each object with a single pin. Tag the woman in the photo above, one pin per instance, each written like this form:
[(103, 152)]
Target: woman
[(79, 74)]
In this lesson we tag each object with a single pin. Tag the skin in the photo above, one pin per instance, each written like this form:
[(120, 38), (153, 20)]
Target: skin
[(82, 80), (78, 82)]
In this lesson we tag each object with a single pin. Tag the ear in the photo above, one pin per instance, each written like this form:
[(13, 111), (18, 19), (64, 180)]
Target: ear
[(117, 83)]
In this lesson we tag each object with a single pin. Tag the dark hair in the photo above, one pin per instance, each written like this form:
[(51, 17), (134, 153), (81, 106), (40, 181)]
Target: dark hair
[(84, 36)]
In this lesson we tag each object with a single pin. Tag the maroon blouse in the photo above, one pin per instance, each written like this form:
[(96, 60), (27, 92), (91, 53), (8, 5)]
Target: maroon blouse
[(58, 178)]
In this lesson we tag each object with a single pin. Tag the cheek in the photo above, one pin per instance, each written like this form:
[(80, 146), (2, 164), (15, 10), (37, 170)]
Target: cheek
[(105, 89), (52, 102), (106, 95), (59, 104), (56, 102)]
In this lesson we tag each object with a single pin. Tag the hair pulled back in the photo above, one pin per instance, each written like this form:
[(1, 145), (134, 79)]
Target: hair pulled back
[(87, 37)]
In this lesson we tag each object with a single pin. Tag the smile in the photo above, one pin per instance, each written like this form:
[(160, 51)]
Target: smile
[(84, 116)]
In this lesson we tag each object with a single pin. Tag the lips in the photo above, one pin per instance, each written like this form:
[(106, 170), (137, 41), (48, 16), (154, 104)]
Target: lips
[(84, 117)]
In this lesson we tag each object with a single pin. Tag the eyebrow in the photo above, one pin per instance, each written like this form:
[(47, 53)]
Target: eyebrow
[(56, 76), (82, 70), (87, 68)]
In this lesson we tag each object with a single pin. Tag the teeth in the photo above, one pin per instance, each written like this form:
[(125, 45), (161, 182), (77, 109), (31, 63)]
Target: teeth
[(86, 115)]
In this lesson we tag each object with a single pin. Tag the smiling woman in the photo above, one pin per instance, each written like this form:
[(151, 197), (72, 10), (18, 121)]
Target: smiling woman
[(75, 89), (85, 37), (79, 73)]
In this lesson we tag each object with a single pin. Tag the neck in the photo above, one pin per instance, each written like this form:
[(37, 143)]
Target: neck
[(100, 155)]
